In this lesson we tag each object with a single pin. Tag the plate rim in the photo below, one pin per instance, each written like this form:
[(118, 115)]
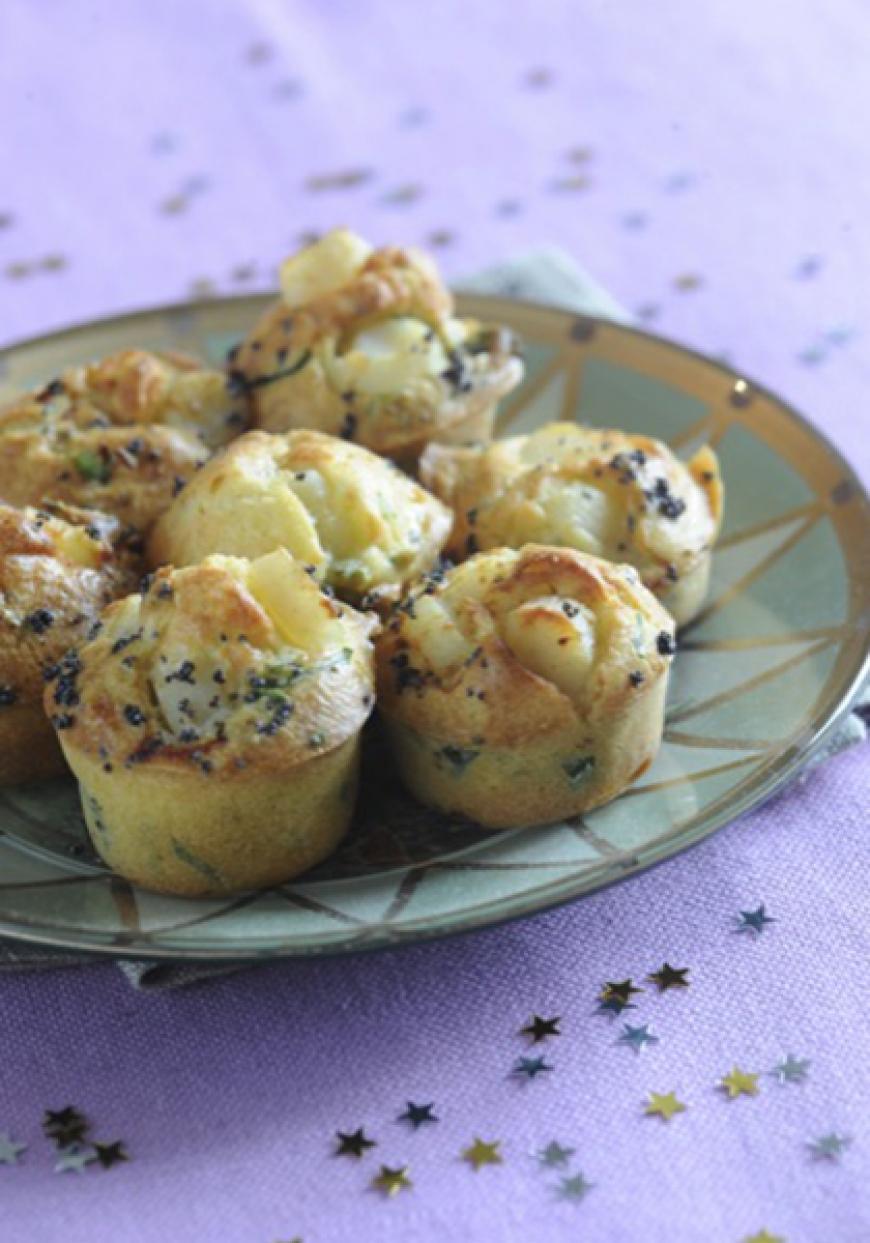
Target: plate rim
[(755, 794)]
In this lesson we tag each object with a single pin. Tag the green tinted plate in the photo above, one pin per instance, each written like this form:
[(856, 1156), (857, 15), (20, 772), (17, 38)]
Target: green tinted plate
[(763, 673)]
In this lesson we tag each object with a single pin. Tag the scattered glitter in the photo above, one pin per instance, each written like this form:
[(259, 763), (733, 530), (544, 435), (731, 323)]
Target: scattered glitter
[(739, 1083), (754, 921), (392, 1180), (791, 1069), (480, 1152), (664, 1105)]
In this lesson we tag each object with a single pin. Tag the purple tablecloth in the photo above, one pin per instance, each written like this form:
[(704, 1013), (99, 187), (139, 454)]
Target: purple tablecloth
[(709, 164)]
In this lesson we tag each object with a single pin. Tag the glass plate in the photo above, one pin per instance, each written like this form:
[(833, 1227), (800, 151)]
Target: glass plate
[(765, 670)]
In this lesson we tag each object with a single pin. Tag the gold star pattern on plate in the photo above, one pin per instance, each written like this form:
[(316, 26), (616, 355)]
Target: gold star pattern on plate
[(539, 1029), (763, 1236), (353, 1143), (665, 1105), (669, 977), (481, 1153), (391, 1181), (739, 1083)]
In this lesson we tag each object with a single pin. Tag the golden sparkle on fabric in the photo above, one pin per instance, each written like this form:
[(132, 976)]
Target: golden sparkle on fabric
[(391, 1180), (539, 1029), (481, 1152), (739, 1083), (353, 1143), (664, 1105), (669, 977)]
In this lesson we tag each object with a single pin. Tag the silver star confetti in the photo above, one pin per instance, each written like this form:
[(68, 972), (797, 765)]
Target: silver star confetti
[(791, 1069), (637, 1037), (754, 921), (831, 1146), (9, 1151), (554, 1155), (74, 1159), (531, 1067), (575, 1187)]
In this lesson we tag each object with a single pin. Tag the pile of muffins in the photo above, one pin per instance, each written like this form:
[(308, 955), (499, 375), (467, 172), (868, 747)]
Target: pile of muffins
[(208, 582)]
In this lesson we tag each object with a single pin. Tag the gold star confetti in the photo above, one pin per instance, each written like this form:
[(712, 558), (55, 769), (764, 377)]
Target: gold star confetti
[(688, 282), (353, 1143), (763, 1236), (669, 977), (618, 990), (739, 1083), (65, 1126), (665, 1105), (481, 1153), (418, 1114), (110, 1154), (540, 1029), (392, 1181)]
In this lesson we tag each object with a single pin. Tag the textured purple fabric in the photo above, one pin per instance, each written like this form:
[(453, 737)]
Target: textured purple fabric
[(709, 164)]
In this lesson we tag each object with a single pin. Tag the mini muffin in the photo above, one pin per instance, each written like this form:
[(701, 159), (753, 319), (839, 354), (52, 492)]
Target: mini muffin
[(524, 687), (59, 567), (363, 526), (216, 726), (619, 496), (364, 344), (122, 435)]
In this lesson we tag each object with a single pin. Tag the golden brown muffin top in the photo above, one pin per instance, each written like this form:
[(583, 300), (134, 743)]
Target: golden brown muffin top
[(363, 526), (615, 495), (227, 667), (515, 645), (59, 567), (123, 434), (363, 343)]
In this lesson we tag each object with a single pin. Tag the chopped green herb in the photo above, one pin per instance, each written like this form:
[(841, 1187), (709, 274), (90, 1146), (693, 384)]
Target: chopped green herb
[(93, 466)]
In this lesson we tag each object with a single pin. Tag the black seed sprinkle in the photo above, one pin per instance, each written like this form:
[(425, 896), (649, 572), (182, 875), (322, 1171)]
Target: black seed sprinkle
[(8, 696), (133, 714), (665, 643), (178, 484), (348, 426), (219, 676), (636, 677), (63, 720), (146, 748), (569, 608), (184, 673), (39, 620), (53, 389)]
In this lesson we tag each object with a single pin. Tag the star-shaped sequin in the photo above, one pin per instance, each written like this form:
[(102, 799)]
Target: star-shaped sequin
[(540, 1029), (110, 1154), (830, 1146), (531, 1067), (791, 1069), (554, 1155), (391, 1180), (480, 1152), (764, 1236), (665, 1105), (10, 1152), (754, 921), (74, 1160), (619, 990), (637, 1037), (614, 1006), (416, 1115), (574, 1188), (353, 1143), (739, 1083), (669, 977), (65, 1126)]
